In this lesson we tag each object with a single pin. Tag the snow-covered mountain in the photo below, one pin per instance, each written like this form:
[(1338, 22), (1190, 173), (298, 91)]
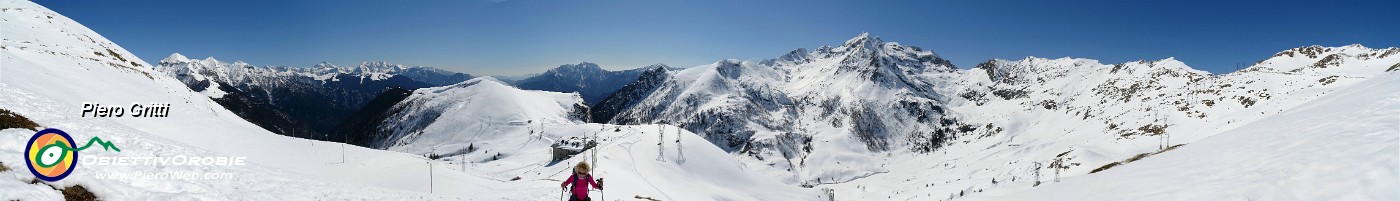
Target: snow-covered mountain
[(629, 95), (814, 108), (837, 115), (868, 119), (301, 102), (480, 101), (588, 79), (50, 65), (432, 76), (1068, 117), (41, 46), (509, 134)]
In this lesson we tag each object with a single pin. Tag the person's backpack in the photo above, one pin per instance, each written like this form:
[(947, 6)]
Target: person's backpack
[(573, 184)]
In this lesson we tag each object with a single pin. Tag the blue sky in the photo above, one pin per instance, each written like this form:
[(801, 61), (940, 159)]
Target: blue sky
[(522, 36)]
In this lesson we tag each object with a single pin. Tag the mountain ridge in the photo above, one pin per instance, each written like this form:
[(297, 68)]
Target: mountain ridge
[(885, 97), (296, 101), (588, 79)]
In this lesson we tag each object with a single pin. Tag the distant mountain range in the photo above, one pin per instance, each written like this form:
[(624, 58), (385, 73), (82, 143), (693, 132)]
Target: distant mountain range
[(833, 115), (328, 102), (295, 101), (866, 119), (806, 111), (864, 96), (588, 79), (808, 115)]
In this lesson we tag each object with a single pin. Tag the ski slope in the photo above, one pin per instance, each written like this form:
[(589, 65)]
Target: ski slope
[(632, 164), (1074, 137), (482, 102), (1002, 124), (503, 134), (1342, 146)]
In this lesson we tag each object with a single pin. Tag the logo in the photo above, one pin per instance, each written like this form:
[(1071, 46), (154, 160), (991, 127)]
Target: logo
[(51, 155)]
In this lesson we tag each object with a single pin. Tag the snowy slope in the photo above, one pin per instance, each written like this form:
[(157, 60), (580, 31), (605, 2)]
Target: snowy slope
[(628, 158), (808, 116), (471, 106), (505, 134), (51, 65), (948, 133), (1341, 146), (1065, 117), (650, 161)]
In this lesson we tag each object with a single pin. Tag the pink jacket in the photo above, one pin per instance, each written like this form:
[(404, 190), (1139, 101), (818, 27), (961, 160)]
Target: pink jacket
[(580, 191)]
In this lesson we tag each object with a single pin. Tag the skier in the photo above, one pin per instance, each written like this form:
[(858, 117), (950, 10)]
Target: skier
[(579, 192)]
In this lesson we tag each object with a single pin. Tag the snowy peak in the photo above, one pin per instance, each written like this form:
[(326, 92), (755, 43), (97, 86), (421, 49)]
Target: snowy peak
[(1040, 71), (324, 66), (1317, 59), (660, 66), (581, 69), (1316, 51), (1009, 71), (1155, 68), (581, 66), (798, 55), (210, 61), (657, 69), (868, 51), (379, 67), (175, 58), (851, 96), (1038, 62), (375, 70), (863, 41), (241, 64), (863, 44), (178, 66)]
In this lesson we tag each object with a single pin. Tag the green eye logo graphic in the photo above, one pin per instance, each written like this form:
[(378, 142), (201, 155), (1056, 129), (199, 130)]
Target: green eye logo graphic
[(51, 156)]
